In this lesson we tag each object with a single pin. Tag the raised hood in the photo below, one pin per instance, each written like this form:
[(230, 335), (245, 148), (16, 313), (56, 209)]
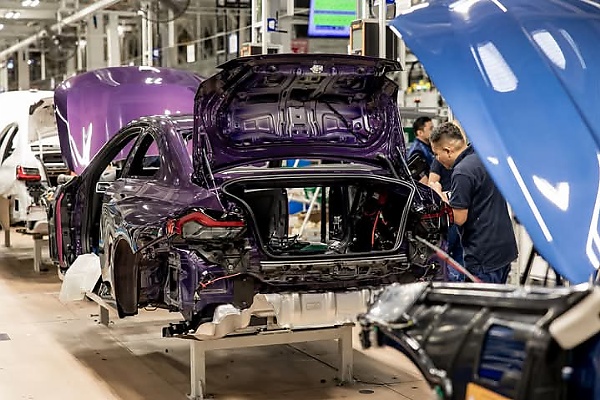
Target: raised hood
[(298, 106), (522, 77), (92, 107), (42, 123)]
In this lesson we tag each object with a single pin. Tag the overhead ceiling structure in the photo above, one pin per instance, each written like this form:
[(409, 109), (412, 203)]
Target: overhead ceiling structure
[(20, 19), (23, 22)]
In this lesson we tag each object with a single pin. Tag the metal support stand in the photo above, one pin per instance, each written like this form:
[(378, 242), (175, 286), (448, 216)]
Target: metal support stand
[(105, 308), (5, 219), (198, 349), (38, 242), (104, 316)]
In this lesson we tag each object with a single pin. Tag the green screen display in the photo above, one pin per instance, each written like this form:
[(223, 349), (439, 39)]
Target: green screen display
[(331, 17)]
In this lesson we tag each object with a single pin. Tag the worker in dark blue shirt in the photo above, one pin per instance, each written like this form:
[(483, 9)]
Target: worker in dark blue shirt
[(479, 209), (422, 128)]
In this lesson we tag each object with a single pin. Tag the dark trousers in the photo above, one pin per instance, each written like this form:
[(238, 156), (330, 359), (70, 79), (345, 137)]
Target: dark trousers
[(455, 250), (499, 275)]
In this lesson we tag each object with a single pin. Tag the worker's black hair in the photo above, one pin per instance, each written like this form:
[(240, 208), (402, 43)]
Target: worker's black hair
[(447, 130), (419, 123)]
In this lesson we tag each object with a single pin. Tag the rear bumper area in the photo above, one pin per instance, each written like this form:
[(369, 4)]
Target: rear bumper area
[(288, 311)]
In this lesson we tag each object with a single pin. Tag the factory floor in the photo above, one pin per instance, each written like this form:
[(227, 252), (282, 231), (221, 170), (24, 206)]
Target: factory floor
[(50, 350)]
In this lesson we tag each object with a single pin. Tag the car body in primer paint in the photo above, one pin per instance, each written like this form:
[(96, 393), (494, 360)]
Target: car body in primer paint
[(30, 157), (189, 211), (522, 78)]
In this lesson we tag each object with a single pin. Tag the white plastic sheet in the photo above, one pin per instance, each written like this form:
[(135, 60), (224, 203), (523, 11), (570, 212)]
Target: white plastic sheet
[(81, 277)]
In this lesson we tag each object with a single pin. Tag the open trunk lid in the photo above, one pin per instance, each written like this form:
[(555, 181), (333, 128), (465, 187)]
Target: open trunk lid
[(294, 105), (94, 106), (42, 123)]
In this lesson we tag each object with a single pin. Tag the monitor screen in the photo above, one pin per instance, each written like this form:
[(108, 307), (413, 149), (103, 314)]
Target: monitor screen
[(331, 18)]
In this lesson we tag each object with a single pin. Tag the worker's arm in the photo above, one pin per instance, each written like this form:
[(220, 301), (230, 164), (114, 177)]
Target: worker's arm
[(460, 199), (435, 172), (460, 215), (437, 187), (434, 177)]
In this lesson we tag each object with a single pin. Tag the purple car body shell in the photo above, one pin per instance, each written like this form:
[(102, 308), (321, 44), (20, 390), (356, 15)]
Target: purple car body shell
[(135, 209)]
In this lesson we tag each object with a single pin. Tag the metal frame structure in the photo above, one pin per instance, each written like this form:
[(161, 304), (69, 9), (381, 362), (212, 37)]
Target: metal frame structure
[(79, 15), (267, 337), (198, 348), (39, 240)]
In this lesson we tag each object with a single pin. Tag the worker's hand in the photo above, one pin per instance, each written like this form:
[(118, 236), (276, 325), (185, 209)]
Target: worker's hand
[(437, 187)]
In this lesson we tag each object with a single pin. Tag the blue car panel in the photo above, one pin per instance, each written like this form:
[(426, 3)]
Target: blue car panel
[(522, 78)]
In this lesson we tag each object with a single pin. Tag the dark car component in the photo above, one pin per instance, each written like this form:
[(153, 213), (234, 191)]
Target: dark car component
[(467, 338)]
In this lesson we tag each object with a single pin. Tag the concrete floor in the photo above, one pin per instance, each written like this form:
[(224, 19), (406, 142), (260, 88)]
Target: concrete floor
[(50, 350)]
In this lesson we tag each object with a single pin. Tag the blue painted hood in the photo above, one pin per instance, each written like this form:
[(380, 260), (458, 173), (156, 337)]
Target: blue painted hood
[(523, 79)]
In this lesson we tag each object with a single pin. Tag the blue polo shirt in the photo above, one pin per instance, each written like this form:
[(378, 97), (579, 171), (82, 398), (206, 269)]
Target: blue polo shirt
[(425, 149), (487, 234)]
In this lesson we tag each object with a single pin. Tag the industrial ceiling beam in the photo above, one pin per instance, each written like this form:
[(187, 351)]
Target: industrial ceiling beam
[(12, 29), (27, 13), (17, 5), (10, 38), (75, 17)]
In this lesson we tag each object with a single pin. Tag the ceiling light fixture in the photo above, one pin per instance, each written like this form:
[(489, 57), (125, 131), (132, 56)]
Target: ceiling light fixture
[(12, 15), (30, 3)]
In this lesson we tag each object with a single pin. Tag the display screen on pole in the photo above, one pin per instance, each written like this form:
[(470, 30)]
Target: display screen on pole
[(331, 18)]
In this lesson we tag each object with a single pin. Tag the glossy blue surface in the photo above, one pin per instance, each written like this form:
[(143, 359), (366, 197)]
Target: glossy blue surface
[(523, 78), (92, 107)]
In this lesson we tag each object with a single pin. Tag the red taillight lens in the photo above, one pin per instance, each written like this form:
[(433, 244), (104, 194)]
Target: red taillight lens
[(28, 174), (198, 225)]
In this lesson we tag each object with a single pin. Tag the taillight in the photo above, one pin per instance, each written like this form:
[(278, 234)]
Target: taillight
[(28, 174), (200, 226)]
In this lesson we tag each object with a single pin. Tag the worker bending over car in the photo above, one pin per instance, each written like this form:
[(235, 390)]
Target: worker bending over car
[(479, 209)]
